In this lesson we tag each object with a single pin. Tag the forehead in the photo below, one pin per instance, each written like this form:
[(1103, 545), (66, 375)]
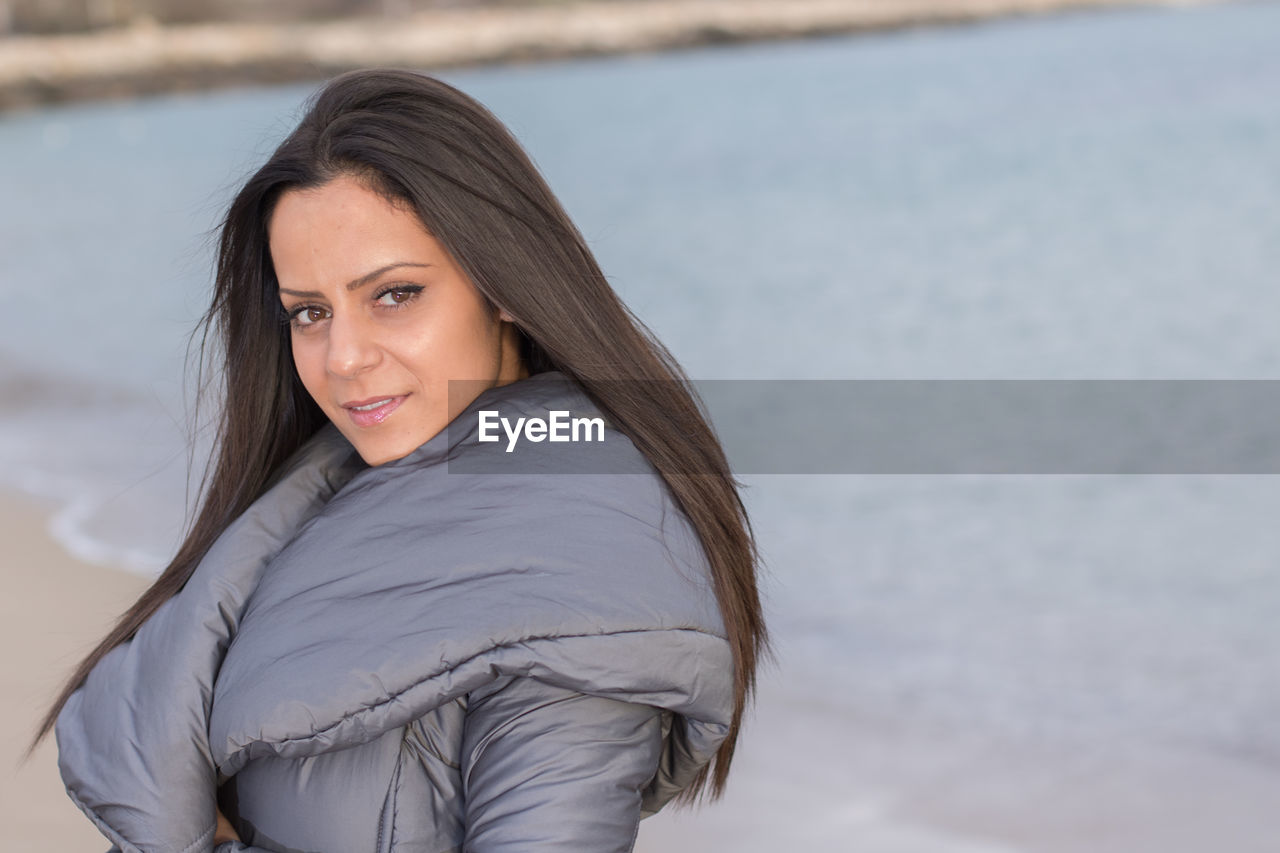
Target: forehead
[(341, 230), (342, 204)]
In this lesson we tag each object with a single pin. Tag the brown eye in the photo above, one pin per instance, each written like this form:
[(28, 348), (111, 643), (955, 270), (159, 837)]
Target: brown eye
[(307, 315), (396, 296)]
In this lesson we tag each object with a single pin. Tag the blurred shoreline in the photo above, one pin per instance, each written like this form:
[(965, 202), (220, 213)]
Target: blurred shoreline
[(147, 58)]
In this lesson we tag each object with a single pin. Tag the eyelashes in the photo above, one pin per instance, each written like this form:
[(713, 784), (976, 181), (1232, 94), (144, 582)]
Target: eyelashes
[(294, 315), (391, 297), (407, 292)]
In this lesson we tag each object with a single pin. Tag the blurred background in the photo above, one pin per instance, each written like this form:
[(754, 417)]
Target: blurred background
[(965, 664), (73, 16)]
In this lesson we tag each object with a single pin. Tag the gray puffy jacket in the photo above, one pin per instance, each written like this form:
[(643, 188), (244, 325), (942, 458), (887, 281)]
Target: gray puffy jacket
[(410, 658)]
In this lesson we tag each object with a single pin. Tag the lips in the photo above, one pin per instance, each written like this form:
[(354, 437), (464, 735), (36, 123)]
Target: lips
[(373, 410)]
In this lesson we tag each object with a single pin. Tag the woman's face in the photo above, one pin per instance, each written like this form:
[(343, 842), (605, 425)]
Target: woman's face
[(381, 318)]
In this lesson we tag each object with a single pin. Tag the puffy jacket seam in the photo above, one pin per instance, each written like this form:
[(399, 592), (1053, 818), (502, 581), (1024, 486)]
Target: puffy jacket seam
[(635, 829), (199, 841), (395, 802), (117, 838), (428, 745), (394, 697), (106, 828)]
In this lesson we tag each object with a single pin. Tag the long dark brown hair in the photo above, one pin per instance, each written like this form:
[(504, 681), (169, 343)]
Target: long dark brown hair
[(426, 145)]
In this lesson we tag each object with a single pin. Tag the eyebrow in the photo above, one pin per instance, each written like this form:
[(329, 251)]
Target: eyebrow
[(356, 283)]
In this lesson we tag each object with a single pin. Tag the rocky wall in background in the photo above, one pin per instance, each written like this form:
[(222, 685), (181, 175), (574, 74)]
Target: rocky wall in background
[(70, 16)]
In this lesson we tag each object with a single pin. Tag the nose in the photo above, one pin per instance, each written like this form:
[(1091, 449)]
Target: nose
[(353, 347)]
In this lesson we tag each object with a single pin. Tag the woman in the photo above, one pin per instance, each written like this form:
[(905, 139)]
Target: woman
[(385, 634)]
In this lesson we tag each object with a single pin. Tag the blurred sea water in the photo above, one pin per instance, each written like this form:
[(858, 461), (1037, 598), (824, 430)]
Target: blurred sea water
[(1083, 196)]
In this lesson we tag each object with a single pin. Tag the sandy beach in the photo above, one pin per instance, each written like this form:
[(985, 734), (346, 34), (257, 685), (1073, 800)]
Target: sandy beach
[(146, 58), (52, 611)]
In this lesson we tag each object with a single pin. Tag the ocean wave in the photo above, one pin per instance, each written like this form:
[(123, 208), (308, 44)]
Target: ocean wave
[(69, 527), (115, 467)]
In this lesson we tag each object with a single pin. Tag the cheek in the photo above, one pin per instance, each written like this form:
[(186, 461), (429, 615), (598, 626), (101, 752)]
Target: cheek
[(475, 344), (463, 347), (483, 331), (309, 365)]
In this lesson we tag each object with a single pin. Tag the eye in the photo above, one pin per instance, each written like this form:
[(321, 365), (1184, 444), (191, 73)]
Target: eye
[(308, 315), (397, 295)]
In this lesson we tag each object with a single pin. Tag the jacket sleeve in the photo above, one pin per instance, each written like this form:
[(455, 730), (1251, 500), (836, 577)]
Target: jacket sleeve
[(547, 769)]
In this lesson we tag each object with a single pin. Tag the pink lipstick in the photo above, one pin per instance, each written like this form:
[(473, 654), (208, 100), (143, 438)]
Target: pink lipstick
[(373, 411)]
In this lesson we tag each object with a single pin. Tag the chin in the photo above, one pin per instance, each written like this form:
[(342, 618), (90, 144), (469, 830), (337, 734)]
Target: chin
[(380, 449), (388, 442), (380, 455)]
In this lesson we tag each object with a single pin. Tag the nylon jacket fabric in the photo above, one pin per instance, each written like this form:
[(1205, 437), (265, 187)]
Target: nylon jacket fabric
[(411, 659)]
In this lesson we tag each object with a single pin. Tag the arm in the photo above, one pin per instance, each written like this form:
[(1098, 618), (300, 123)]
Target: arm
[(548, 769)]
